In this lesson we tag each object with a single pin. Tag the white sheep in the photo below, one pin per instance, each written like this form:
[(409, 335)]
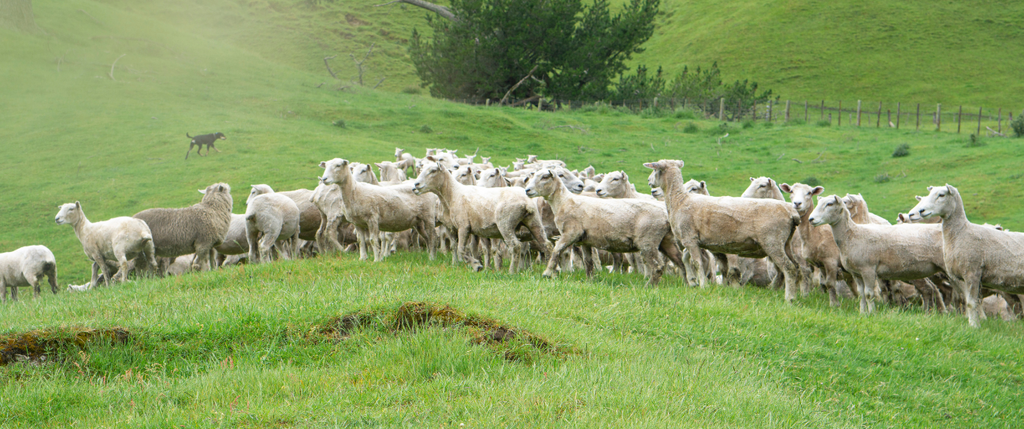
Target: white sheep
[(974, 255), (879, 252), (25, 267), (372, 209), (271, 219), (117, 240), (483, 212), (616, 185), (764, 188), (818, 246), (616, 225), (236, 242), (859, 210), (391, 172), (309, 216), (752, 228)]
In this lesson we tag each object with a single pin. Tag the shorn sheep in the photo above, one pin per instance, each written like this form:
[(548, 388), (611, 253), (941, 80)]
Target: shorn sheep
[(116, 240), (196, 229), (752, 228), (372, 209), (271, 221), (309, 215), (616, 225), (975, 255), (616, 185), (24, 267), (879, 252), (483, 212), (818, 244)]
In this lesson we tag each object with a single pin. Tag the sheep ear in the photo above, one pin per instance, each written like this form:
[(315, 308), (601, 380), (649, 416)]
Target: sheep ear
[(703, 185), (624, 176), (598, 177), (751, 179), (323, 164), (378, 165), (507, 182), (771, 182), (202, 191), (430, 158), (652, 165), (785, 188), (918, 197), (817, 190), (930, 188), (949, 188)]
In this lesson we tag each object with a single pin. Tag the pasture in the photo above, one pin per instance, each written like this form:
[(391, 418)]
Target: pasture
[(247, 346)]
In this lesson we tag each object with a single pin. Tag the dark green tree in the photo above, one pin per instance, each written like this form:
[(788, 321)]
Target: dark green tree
[(488, 46)]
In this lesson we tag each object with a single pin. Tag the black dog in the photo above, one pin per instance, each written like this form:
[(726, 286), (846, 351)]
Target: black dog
[(205, 139)]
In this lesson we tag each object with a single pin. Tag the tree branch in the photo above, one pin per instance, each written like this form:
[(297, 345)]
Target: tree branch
[(111, 74), (329, 66), (505, 98), (436, 8)]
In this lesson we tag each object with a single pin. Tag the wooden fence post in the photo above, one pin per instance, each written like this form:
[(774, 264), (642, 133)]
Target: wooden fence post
[(888, 116), (839, 117), (805, 111), (721, 109), (1000, 116), (769, 110), (918, 126), (787, 111), (823, 111), (979, 123), (938, 117), (897, 115), (858, 113), (879, 123), (655, 103), (958, 115)]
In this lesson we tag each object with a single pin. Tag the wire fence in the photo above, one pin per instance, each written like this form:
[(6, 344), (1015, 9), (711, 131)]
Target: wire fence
[(840, 113)]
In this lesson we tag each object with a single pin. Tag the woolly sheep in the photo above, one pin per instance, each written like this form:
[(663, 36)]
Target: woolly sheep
[(116, 240), (24, 267), (309, 216), (196, 229), (974, 255), (752, 228)]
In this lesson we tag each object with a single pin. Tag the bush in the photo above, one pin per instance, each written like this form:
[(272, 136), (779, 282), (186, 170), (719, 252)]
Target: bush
[(811, 181), (768, 124), (1018, 125), (691, 128), (882, 178), (823, 123), (411, 90), (748, 124), (340, 123), (796, 122), (685, 114), (426, 129), (901, 151), (975, 141)]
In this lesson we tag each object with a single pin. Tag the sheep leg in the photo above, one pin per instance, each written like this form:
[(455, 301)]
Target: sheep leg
[(461, 251), (668, 247), (14, 293), (867, 284), (777, 255), (536, 228), (3, 291), (831, 273), (567, 239), (95, 274), (650, 260), (424, 230), (107, 275), (373, 234), (588, 261), (970, 287), (362, 237), (723, 264), (691, 244)]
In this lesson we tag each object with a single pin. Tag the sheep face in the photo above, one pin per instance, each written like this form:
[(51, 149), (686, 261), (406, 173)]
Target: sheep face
[(398, 154), (464, 175), (656, 179), (691, 187), (852, 202), (335, 171), (431, 178), (258, 190), (760, 187), (362, 172), (216, 191), (69, 213), (542, 184), (491, 178), (830, 209), (573, 183), (802, 195), (940, 202)]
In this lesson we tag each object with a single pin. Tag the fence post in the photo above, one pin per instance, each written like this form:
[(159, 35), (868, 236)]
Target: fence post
[(540, 104), (1000, 116), (823, 111), (770, 110), (979, 123), (655, 103), (787, 111), (958, 115), (897, 115), (858, 113), (938, 117), (839, 117), (805, 111), (721, 109), (879, 123), (888, 116), (753, 112)]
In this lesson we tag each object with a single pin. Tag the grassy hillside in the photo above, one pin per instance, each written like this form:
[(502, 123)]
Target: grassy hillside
[(251, 346)]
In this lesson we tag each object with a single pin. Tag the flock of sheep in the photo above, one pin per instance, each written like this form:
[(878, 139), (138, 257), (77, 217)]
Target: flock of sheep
[(595, 221)]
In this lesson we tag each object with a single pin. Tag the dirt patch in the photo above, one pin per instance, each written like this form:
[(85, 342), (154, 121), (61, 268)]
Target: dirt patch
[(354, 21), (515, 344), (45, 345)]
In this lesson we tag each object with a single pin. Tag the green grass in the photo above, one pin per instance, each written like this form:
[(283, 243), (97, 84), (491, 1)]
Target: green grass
[(235, 347)]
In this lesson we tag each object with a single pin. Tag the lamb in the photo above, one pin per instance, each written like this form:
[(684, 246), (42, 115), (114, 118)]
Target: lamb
[(618, 225), (616, 185), (196, 229), (309, 216), (859, 210), (25, 267), (818, 247), (115, 240), (483, 212), (974, 255), (236, 242), (752, 228), (372, 209), (879, 252), (271, 219)]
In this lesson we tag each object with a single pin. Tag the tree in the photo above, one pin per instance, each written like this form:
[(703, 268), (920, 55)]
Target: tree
[(488, 46), (17, 15)]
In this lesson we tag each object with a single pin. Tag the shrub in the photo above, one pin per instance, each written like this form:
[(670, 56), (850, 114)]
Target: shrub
[(882, 178), (975, 141), (1018, 125), (811, 181), (426, 129), (796, 122), (823, 123), (768, 124), (685, 114), (690, 128), (411, 90), (748, 124), (340, 123), (901, 151)]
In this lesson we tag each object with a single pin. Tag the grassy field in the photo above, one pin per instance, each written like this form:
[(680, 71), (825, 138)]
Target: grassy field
[(245, 346)]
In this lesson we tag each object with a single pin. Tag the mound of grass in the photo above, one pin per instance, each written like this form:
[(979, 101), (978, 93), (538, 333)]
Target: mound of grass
[(901, 151)]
